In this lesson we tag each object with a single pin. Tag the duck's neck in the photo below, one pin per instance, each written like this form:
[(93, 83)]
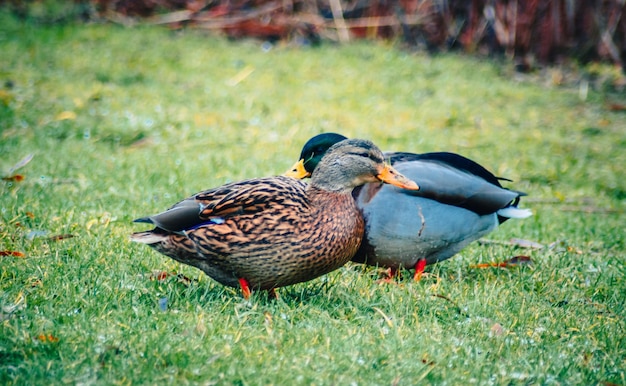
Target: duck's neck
[(329, 183), (325, 197), (337, 212)]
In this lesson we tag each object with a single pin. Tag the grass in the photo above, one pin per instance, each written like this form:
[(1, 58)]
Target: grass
[(124, 122)]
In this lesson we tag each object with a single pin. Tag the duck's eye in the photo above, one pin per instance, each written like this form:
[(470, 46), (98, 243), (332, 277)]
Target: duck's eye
[(375, 157), (371, 156)]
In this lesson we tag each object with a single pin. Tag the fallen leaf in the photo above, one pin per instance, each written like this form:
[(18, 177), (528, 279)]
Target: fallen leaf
[(145, 141), (485, 265), (496, 330), (104, 219), (617, 107), (575, 250), (35, 283), (159, 275), (60, 237), (183, 279), (12, 253), (520, 260), (241, 76), (48, 338), (162, 275), (427, 361), (6, 97), (65, 115), (512, 262), (14, 178), (91, 223)]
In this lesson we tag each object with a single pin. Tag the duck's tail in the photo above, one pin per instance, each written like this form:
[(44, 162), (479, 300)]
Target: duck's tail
[(514, 212), (148, 237)]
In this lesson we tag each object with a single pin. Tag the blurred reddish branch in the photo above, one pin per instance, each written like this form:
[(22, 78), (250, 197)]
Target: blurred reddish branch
[(528, 31)]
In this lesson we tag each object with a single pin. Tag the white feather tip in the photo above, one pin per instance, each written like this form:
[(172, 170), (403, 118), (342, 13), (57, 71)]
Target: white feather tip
[(513, 212)]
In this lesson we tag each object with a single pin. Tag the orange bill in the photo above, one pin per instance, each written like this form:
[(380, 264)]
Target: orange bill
[(298, 171), (391, 176)]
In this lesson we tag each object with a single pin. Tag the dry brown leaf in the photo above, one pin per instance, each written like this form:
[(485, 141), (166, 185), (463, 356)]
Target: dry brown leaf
[(496, 329), (162, 275), (512, 262), (35, 283), (12, 253), (48, 338), (14, 178), (617, 107), (159, 275), (60, 237)]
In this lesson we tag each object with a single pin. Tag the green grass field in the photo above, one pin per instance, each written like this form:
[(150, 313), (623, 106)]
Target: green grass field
[(122, 123)]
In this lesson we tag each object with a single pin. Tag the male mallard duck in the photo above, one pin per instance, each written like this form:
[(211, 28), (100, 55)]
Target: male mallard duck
[(458, 202), (271, 232)]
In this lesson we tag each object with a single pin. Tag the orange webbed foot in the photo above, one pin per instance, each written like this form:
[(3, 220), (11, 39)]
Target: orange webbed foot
[(419, 269), (245, 288)]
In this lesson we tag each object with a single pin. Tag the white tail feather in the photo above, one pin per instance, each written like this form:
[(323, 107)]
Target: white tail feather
[(513, 212), (147, 237)]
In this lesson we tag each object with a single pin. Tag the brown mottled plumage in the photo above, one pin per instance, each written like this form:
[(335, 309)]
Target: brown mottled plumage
[(276, 231)]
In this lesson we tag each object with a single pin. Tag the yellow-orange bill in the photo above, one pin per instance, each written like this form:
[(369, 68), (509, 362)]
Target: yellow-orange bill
[(298, 171), (391, 176)]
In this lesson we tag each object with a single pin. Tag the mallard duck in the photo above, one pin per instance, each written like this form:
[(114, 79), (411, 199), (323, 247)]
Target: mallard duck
[(271, 232), (458, 202)]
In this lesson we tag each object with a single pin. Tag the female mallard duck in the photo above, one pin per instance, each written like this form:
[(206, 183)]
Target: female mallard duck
[(458, 202), (271, 232)]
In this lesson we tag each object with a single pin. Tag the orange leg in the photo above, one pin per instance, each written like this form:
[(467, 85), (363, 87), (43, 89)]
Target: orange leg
[(272, 293), (419, 269), (245, 288)]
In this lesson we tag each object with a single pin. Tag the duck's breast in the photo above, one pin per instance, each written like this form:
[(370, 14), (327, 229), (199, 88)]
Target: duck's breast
[(402, 228)]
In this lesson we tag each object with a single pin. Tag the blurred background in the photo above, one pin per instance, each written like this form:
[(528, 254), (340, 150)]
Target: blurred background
[(527, 32)]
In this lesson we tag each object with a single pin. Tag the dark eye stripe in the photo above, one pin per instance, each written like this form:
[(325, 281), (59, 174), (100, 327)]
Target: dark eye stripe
[(376, 158), (371, 156), (360, 154)]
